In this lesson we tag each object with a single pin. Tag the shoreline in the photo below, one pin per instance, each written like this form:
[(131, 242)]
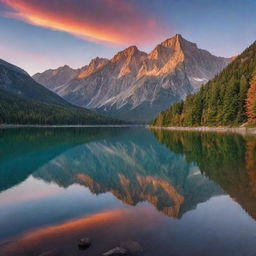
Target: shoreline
[(240, 130), (68, 126)]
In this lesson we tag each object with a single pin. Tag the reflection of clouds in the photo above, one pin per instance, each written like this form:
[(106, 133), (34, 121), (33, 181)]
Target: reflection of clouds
[(117, 222), (30, 189)]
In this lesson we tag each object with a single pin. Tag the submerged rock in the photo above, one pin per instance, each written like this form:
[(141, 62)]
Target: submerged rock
[(48, 253), (118, 251), (84, 243), (133, 247)]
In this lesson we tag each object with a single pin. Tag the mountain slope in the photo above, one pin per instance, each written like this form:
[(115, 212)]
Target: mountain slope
[(17, 81), (220, 102), (54, 79), (135, 86), (24, 101)]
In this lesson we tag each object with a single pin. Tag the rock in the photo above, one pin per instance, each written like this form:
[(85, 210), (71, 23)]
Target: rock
[(84, 243), (118, 251), (48, 253), (133, 247)]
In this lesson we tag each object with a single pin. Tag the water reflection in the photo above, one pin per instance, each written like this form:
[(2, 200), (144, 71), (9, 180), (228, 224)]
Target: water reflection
[(228, 160), (134, 167), (24, 150), (61, 239), (45, 175)]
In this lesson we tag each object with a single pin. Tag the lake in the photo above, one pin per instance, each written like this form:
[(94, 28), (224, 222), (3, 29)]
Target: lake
[(173, 193)]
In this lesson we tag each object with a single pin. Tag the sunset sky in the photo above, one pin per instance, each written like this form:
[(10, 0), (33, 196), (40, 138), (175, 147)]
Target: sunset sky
[(41, 34)]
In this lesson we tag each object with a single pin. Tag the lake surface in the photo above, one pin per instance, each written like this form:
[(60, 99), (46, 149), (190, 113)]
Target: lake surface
[(175, 193)]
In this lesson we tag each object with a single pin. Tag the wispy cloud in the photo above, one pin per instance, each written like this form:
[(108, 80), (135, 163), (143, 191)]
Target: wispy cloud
[(113, 21)]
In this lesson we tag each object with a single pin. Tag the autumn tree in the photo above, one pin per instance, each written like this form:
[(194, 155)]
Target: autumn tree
[(251, 101)]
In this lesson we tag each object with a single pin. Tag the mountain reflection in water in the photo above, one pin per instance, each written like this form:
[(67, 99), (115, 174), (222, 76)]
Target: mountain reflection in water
[(172, 171)]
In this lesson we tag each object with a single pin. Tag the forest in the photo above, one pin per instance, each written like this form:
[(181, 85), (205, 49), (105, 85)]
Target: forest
[(16, 109)]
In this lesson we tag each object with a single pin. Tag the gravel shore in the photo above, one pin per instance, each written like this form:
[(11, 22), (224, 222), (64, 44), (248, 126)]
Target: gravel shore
[(241, 130)]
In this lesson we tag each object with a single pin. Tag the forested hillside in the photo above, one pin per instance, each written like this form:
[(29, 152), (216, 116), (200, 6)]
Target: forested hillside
[(17, 81), (16, 109), (226, 100)]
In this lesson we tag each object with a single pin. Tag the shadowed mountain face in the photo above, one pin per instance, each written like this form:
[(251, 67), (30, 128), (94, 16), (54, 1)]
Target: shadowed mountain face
[(134, 85), (228, 160), (17, 81)]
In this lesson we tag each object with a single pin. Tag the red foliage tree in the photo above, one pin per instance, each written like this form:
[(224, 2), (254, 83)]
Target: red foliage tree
[(251, 101)]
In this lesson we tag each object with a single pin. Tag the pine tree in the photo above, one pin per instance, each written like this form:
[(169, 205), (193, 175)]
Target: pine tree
[(241, 115)]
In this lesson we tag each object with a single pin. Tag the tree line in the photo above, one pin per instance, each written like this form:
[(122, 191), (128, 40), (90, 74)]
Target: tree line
[(16, 109)]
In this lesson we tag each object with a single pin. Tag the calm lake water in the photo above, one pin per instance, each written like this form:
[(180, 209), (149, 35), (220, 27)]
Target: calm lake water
[(175, 193)]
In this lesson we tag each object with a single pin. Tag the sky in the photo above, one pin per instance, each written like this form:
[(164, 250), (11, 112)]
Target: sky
[(40, 34)]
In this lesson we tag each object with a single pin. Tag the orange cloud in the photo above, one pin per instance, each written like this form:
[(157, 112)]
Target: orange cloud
[(114, 21)]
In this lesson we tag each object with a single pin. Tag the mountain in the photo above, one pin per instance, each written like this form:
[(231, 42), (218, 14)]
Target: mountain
[(17, 81), (24, 101), (53, 78), (135, 86), (222, 101)]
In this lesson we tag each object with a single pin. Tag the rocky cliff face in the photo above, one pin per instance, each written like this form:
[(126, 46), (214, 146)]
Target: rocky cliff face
[(135, 86), (53, 78)]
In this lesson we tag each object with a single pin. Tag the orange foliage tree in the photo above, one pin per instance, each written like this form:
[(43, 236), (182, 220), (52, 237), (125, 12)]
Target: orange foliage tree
[(251, 101)]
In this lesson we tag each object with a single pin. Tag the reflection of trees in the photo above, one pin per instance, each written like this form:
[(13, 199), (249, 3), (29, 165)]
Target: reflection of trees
[(227, 159)]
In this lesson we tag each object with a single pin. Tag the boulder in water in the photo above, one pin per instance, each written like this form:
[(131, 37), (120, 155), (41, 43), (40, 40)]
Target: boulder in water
[(84, 243)]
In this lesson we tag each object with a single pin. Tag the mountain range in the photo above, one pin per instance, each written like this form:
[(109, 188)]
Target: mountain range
[(134, 85), (24, 101)]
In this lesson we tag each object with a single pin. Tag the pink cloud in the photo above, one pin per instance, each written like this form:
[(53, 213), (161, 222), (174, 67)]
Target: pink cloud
[(113, 21)]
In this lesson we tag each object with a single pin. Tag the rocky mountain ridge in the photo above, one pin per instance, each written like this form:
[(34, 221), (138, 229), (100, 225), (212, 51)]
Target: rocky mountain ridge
[(134, 85)]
